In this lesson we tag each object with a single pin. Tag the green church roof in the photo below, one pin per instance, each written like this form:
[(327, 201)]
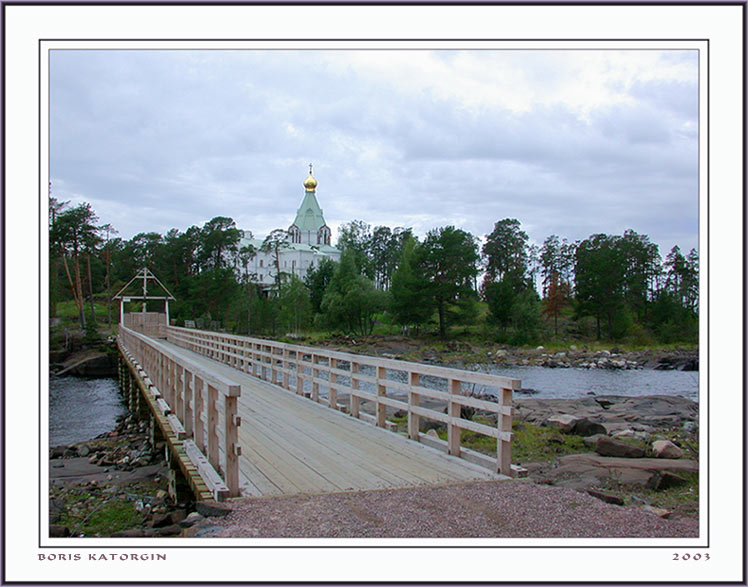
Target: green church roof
[(309, 215)]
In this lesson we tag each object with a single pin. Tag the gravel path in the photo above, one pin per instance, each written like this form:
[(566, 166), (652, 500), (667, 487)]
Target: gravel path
[(497, 509)]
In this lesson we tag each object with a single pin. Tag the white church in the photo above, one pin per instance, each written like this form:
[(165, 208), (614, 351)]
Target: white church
[(308, 242)]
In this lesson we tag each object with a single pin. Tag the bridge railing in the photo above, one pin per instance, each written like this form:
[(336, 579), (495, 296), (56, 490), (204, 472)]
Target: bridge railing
[(375, 389), (200, 405)]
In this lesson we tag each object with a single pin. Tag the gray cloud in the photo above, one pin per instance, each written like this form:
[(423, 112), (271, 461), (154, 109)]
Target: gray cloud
[(162, 139)]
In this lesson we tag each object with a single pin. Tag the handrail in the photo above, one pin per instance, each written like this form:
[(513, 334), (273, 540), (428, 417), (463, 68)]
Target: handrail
[(200, 399), (316, 373)]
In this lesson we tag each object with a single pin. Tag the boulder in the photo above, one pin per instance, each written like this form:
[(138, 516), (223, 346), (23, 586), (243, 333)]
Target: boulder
[(563, 422), (160, 520), (606, 497), (690, 426), (586, 427), (662, 513), (130, 533), (592, 440), (192, 519), (57, 531), (665, 480), (212, 509), (629, 433), (57, 452), (609, 447), (664, 449), (171, 530), (177, 516)]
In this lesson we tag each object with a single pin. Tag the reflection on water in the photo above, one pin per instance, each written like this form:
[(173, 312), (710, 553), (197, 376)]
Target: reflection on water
[(81, 409)]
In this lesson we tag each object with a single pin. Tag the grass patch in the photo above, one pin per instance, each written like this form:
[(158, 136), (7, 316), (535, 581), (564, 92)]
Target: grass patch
[(111, 517), (535, 444), (92, 514)]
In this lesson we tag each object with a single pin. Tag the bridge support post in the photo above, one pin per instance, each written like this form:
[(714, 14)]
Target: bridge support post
[(155, 435), (179, 489)]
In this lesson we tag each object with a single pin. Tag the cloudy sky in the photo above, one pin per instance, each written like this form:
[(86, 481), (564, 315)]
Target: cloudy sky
[(568, 142)]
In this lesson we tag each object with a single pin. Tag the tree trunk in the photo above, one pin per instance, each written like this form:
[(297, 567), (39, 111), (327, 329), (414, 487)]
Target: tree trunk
[(442, 326), (75, 289), (108, 290), (90, 289)]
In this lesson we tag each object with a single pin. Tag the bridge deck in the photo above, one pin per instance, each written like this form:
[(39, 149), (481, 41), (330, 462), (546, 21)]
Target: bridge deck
[(293, 445)]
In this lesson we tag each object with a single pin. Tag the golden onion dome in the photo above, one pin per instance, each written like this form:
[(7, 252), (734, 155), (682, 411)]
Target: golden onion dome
[(310, 183)]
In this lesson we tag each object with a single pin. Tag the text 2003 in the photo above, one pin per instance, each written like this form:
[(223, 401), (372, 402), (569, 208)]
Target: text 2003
[(688, 556)]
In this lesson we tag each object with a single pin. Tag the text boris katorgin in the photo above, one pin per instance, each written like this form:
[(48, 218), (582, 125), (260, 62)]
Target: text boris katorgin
[(91, 556)]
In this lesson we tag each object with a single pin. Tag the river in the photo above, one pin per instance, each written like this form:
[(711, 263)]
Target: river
[(574, 382), (81, 409)]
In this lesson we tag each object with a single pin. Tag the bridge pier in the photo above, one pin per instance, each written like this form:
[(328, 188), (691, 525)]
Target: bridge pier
[(179, 488)]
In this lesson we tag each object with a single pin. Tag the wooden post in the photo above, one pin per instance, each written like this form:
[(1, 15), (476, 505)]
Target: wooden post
[(273, 365), (355, 400), (453, 430), (332, 395), (231, 447), (381, 409), (315, 375), (299, 373), (213, 427), (504, 447), (189, 401), (179, 391), (199, 426), (284, 364), (413, 401)]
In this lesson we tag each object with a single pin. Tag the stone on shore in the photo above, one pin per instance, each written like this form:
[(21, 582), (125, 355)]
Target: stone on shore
[(586, 427), (609, 447), (563, 422), (212, 509), (606, 497), (664, 449), (665, 480), (57, 531)]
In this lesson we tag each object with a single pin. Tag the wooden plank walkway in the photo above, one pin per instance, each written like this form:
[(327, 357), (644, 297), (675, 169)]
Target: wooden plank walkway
[(291, 445)]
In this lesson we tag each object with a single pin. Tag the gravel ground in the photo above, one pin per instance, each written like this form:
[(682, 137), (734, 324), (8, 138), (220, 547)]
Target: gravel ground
[(496, 509)]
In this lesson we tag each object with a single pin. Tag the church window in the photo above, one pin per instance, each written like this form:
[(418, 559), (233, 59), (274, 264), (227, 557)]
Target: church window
[(260, 265)]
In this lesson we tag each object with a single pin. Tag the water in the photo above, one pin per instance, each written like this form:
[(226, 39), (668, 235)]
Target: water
[(81, 409), (547, 383), (574, 383)]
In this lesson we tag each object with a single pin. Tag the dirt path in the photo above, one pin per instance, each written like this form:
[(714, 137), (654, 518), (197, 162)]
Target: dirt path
[(499, 509)]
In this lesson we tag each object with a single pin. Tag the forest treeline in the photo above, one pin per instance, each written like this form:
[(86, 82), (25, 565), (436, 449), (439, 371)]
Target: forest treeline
[(615, 287)]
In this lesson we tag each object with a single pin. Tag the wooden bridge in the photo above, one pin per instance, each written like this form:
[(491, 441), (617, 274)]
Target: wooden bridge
[(250, 417)]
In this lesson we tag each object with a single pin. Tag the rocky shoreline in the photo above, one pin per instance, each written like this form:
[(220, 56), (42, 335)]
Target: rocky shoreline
[(637, 448), (117, 485), (572, 356)]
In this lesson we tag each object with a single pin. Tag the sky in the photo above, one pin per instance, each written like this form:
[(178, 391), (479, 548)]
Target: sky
[(570, 143)]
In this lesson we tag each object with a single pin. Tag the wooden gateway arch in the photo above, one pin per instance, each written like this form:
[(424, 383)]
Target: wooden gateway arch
[(149, 323)]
